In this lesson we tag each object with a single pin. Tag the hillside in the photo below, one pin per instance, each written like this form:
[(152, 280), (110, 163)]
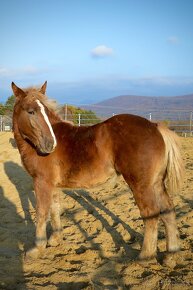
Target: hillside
[(141, 104)]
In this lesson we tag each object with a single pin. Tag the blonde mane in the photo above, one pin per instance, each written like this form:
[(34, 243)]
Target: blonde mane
[(52, 105), (34, 93)]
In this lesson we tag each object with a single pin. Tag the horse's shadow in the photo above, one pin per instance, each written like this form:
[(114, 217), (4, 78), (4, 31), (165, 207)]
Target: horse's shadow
[(92, 206), (13, 143), (123, 253), (23, 184), (187, 201), (83, 197), (11, 261)]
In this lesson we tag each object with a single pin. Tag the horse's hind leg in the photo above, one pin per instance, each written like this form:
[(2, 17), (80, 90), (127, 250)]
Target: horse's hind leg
[(55, 238), (169, 219), (146, 200), (153, 204), (149, 247)]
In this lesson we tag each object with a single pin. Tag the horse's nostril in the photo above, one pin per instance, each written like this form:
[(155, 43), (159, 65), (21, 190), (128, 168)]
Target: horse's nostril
[(49, 145)]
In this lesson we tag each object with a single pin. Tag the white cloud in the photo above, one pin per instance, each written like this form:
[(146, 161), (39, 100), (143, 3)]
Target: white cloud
[(161, 80), (22, 71), (4, 71), (101, 51), (173, 39)]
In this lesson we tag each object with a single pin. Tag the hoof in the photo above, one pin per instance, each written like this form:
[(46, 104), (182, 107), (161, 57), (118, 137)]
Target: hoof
[(145, 257), (33, 253), (170, 260), (54, 241), (145, 261)]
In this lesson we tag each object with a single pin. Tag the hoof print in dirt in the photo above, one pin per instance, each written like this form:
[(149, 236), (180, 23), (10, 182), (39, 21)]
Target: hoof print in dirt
[(81, 250)]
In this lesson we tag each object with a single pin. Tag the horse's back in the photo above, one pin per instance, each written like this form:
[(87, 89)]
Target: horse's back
[(138, 145), (134, 131)]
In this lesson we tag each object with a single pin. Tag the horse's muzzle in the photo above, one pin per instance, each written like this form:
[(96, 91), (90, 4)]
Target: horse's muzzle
[(47, 146)]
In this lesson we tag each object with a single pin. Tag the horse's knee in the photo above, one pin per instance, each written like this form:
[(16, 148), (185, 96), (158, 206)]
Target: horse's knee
[(147, 202), (166, 202)]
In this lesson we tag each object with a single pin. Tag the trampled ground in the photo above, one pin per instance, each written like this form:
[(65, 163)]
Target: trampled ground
[(102, 235)]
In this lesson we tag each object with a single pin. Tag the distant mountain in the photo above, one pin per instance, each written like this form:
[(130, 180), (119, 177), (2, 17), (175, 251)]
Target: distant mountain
[(142, 105)]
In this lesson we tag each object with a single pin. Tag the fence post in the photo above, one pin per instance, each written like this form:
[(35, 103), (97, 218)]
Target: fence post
[(1, 123), (190, 123), (66, 112), (79, 119)]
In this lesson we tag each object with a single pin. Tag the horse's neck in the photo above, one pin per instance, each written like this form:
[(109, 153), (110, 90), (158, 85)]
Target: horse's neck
[(53, 117)]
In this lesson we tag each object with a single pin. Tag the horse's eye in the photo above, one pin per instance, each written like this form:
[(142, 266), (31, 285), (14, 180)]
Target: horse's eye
[(31, 112)]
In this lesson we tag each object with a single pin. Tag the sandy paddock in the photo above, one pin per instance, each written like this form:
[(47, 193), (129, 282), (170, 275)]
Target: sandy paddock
[(102, 235)]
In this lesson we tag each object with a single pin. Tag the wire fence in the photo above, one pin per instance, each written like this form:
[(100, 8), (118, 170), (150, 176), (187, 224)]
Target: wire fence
[(180, 121)]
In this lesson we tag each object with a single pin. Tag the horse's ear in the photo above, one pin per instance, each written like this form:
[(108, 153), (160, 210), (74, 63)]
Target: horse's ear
[(19, 93), (43, 88)]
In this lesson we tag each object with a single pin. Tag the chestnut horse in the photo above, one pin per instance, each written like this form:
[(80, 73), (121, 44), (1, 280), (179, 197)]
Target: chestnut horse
[(59, 154)]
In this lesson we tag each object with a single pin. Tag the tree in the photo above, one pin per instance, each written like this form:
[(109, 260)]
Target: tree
[(10, 103), (7, 108), (2, 109)]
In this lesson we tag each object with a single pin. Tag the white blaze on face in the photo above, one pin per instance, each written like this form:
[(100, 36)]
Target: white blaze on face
[(42, 110)]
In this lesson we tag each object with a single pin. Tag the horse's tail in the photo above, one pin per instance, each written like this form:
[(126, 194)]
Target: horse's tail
[(175, 167)]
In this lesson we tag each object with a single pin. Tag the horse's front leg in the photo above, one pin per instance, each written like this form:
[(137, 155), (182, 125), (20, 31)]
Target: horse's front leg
[(56, 236), (43, 192)]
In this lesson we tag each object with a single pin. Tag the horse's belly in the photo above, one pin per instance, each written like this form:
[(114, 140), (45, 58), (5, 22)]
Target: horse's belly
[(90, 179)]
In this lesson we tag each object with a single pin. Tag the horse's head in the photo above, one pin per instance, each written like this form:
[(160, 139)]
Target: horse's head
[(32, 119)]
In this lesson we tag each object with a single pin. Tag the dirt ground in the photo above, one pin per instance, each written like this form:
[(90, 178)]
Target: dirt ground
[(102, 235)]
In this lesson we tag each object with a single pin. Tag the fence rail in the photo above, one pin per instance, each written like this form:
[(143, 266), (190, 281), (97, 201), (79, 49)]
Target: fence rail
[(180, 121), (5, 123)]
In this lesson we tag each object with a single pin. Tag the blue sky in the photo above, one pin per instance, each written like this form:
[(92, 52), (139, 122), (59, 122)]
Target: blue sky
[(92, 50)]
